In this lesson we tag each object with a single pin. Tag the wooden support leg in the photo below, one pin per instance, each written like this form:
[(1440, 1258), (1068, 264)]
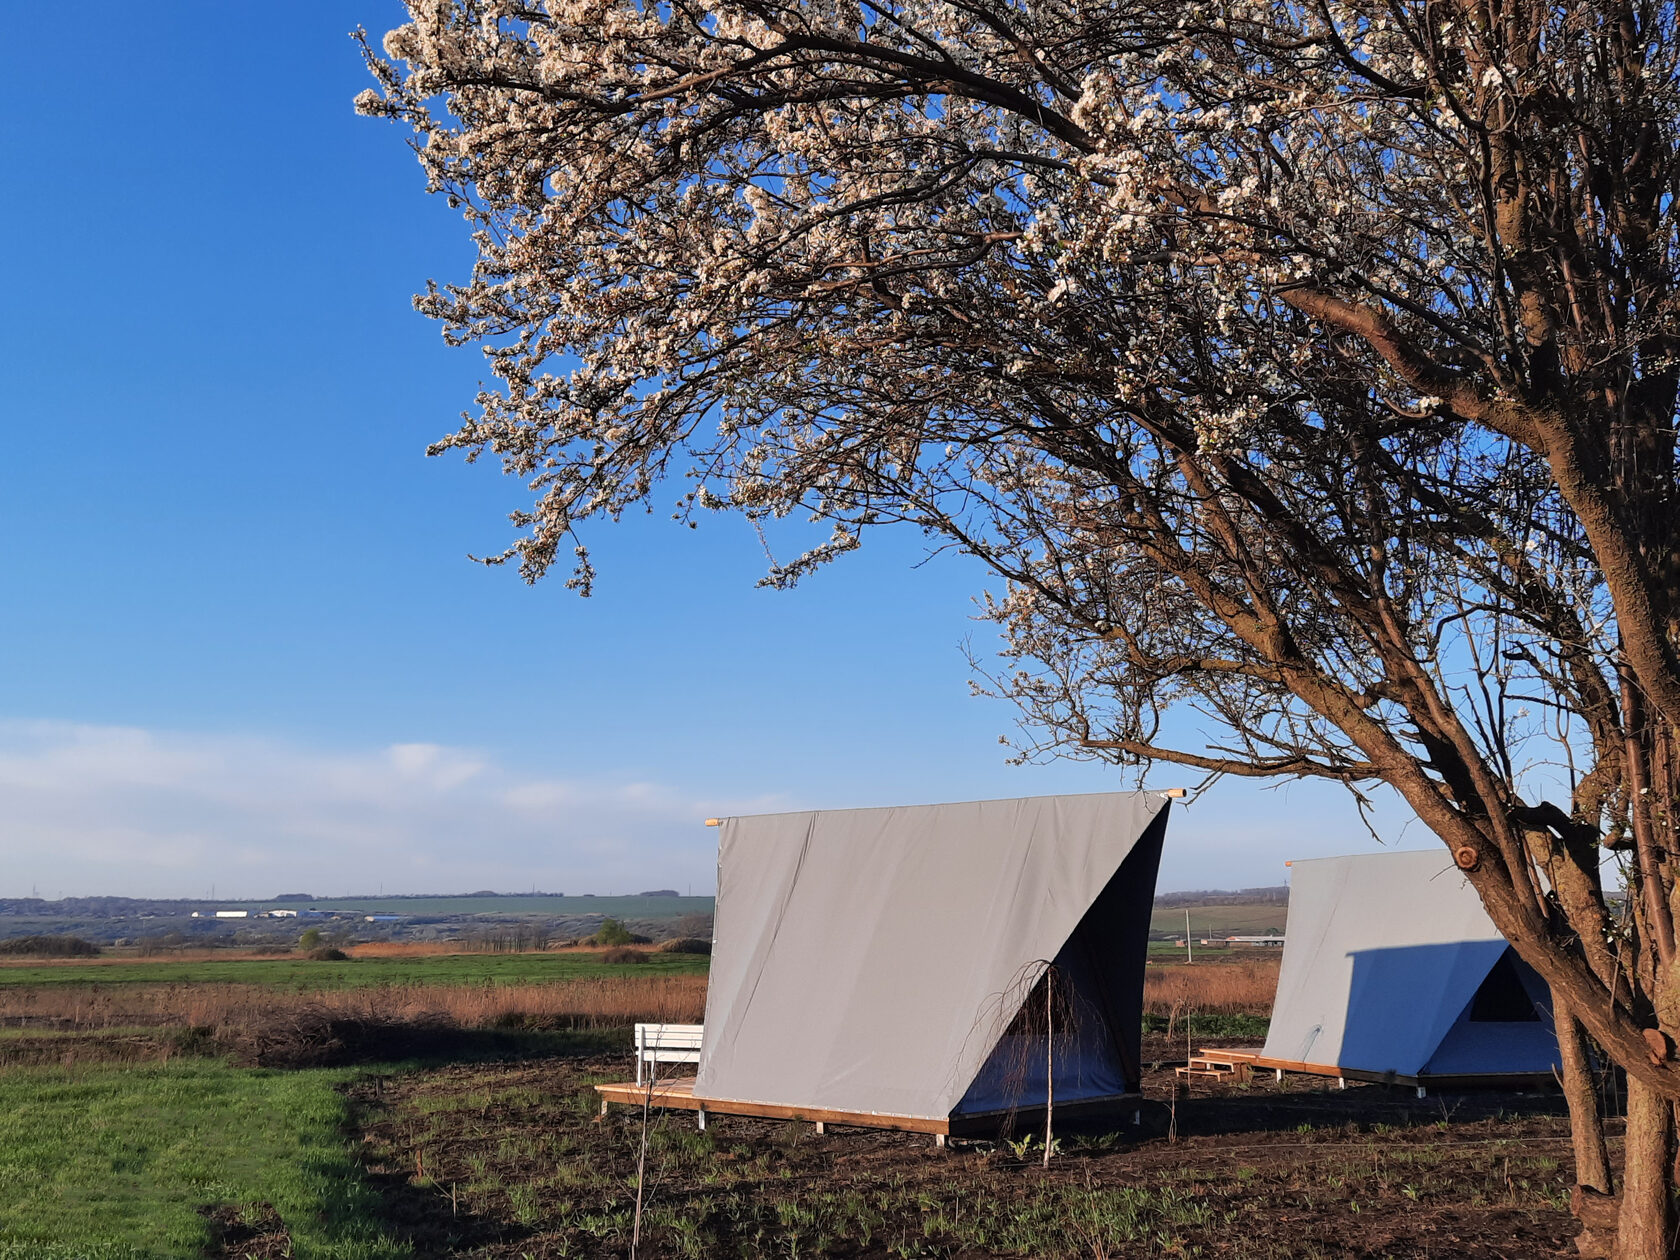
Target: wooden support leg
[(1341, 1082), (700, 1117), (603, 1106), (939, 1140), (1423, 1092), (821, 1128), (1278, 1075)]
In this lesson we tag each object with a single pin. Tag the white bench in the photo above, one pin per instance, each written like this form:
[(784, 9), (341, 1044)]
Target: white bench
[(667, 1043)]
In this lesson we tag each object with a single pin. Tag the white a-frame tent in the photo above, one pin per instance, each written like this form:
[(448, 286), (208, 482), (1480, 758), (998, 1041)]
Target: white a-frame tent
[(1392, 970), (871, 966)]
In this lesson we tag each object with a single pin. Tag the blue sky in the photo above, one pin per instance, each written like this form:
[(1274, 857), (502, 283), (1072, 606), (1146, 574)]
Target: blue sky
[(243, 644)]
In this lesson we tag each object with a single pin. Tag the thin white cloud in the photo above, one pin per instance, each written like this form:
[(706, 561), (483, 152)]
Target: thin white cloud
[(90, 809)]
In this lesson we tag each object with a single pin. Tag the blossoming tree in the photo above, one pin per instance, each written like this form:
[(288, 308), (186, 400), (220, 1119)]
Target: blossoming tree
[(1310, 364)]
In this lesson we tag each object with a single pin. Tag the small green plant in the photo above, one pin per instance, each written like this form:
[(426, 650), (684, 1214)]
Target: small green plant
[(310, 939), (612, 932)]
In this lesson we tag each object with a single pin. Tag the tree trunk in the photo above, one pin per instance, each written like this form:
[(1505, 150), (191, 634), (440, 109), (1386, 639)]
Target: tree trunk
[(1586, 1121), (1643, 1228), (1590, 1201)]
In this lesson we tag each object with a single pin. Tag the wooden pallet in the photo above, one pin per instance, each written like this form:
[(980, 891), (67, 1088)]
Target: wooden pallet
[(1214, 1065)]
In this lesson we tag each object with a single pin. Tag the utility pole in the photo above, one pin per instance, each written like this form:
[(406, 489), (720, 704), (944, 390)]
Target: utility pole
[(1189, 954)]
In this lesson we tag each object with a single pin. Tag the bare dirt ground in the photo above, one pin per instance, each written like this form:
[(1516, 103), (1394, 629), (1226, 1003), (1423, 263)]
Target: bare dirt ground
[(509, 1160)]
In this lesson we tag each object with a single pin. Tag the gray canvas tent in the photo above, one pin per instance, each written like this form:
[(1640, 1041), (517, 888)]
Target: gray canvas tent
[(871, 964), (1392, 969)]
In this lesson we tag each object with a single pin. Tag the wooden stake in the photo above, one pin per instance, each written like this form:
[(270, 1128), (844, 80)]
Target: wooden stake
[(1049, 1060)]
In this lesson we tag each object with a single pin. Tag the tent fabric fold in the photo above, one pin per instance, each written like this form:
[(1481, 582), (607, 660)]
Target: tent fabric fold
[(873, 961), (1383, 959)]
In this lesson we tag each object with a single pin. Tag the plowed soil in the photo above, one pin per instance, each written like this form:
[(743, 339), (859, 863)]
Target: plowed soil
[(512, 1160)]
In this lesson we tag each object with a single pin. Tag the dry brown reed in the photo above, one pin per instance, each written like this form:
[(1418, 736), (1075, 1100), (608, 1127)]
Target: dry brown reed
[(1222, 988), (405, 949), (586, 1003)]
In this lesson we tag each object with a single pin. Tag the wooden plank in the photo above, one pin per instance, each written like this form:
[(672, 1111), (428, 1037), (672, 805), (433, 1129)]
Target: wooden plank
[(1467, 1080), (1327, 1069), (679, 1095), (1227, 1055), (826, 1116), (673, 1093), (1220, 1057)]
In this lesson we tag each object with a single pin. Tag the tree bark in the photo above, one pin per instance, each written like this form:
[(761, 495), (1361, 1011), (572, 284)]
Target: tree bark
[(1591, 1199), (1586, 1121), (1644, 1228)]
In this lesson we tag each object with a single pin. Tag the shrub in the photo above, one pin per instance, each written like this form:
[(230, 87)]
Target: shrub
[(516, 938), (196, 1039), (49, 947), (693, 925), (327, 954), (612, 932), (684, 945), (622, 955), (311, 939), (152, 945)]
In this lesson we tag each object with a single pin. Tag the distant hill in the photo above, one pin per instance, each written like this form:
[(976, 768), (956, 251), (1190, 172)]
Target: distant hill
[(110, 920), (1275, 895)]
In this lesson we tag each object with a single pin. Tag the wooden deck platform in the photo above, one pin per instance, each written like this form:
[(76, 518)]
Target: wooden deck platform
[(678, 1095), (1254, 1060)]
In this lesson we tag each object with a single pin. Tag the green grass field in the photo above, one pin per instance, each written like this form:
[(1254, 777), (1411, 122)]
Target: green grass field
[(115, 1163), (1220, 920), (549, 907), (303, 975)]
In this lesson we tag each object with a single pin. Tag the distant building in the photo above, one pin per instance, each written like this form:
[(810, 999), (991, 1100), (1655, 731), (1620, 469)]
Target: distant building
[(282, 914), (233, 914)]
